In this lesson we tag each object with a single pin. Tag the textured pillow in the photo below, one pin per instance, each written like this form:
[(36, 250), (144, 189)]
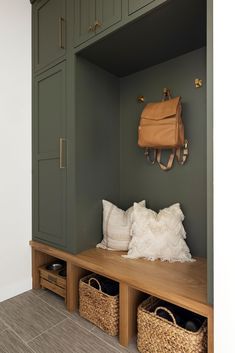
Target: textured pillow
[(116, 227), (158, 236)]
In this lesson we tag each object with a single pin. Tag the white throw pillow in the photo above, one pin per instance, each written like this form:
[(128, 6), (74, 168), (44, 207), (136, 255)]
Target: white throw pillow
[(158, 236), (116, 227)]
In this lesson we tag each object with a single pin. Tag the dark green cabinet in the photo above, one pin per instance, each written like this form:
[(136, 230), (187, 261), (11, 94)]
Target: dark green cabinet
[(95, 16), (108, 12), (49, 156), (135, 5), (49, 29), (84, 20)]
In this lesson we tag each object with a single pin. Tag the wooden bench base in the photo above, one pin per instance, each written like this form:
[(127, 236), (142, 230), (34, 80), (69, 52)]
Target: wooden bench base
[(182, 284)]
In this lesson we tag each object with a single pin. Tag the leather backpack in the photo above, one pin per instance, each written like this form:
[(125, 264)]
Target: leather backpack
[(161, 127)]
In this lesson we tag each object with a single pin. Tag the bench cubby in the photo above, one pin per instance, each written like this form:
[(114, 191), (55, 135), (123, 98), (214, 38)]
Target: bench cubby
[(182, 284)]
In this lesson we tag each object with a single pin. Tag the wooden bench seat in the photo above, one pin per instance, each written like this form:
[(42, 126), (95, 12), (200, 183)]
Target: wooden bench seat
[(181, 283), (184, 284)]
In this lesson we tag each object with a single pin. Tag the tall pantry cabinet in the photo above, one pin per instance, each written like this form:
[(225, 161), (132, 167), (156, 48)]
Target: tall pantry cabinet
[(62, 211), (49, 122)]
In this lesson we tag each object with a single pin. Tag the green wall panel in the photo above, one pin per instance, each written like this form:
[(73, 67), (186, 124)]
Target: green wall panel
[(187, 185), (97, 176)]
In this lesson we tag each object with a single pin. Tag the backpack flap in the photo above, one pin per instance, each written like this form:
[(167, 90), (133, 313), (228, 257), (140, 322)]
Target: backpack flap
[(161, 110), (161, 125)]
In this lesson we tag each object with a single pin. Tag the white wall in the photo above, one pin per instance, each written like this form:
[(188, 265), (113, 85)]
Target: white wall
[(224, 171), (15, 147)]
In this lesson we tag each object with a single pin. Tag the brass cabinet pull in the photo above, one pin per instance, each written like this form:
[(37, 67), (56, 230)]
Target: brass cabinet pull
[(62, 154), (61, 21), (97, 24)]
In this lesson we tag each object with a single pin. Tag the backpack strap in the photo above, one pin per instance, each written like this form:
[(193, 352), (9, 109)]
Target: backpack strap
[(182, 153), (148, 153), (170, 160)]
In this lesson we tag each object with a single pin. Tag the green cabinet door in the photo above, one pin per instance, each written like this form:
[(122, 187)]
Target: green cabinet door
[(84, 20), (135, 5), (49, 32), (108, 12), (94, 16), (49, 157)]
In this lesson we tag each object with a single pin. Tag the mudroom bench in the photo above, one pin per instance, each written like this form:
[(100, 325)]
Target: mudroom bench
[(182, 284)]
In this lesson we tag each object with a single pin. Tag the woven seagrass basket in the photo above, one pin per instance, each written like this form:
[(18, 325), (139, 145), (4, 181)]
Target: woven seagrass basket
[(98, 307), (158, 335)]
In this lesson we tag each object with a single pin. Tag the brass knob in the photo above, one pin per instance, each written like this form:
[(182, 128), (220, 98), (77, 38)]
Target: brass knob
[(97, 24), (198, 82), (91, 28), (140, 99)]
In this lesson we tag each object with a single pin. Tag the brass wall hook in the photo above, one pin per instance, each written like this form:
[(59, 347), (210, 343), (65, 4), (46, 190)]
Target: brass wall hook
[(166, 93), (198, 82), (140, 99)]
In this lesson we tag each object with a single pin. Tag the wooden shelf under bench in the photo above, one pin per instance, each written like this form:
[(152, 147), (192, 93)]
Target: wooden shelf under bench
[(51, 280), (183, 284)]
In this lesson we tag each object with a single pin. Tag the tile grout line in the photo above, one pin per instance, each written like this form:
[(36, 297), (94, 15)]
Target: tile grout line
[(3, 330), (67, 316), (26, 342), (9, 328), (58, 323), (96, 336), (109, 344), (51, 306), (117, 348), (37, 295), (77, 323)]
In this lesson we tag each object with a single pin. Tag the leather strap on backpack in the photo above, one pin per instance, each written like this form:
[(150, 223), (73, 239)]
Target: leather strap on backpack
[(170, 160), (147, 154), (182, 153)]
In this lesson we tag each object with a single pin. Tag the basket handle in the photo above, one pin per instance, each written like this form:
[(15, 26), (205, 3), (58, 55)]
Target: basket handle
[(168, 312), (96, 280)]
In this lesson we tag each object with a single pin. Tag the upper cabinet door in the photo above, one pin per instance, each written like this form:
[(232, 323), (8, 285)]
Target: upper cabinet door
[(108, 12), (49, 32), (84, 27), (135, 5)]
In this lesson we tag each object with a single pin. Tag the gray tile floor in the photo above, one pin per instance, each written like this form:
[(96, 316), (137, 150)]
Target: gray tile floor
[(38, 322)]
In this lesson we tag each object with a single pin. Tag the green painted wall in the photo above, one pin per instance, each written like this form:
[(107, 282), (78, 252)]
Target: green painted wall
[(187, 185), (115, 168), (97, 150)]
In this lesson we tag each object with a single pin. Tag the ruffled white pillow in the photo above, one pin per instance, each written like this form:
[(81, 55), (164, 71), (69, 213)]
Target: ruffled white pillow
[(158, 236), (116, 227)]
